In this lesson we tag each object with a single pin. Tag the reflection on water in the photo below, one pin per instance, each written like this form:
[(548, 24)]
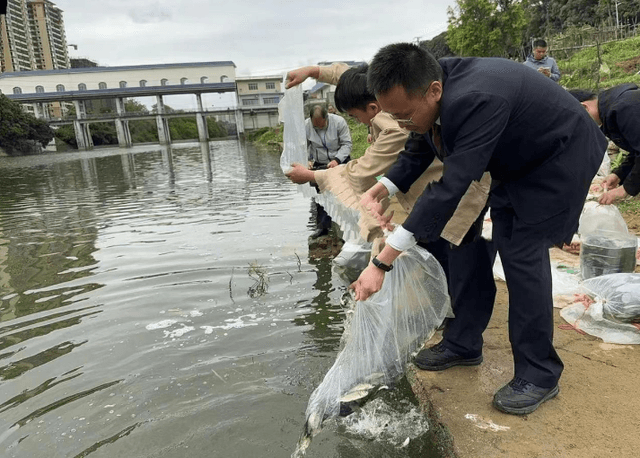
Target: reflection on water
[(159, 302)]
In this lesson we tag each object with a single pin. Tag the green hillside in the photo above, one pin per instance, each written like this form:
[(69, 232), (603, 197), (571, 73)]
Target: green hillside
[(619, 62)]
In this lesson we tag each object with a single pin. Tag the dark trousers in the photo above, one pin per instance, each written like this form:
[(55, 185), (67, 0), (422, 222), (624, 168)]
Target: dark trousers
[(524, 252), (323, 220)]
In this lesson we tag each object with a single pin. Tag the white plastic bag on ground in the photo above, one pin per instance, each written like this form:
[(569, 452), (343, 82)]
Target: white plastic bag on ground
[(383, 334), (620, 294), (617, 299), (605, 167)]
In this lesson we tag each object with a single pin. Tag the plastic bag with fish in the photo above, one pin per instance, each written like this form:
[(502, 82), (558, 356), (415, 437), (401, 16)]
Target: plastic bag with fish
[(382, 335), (614, 313), (620, 294)]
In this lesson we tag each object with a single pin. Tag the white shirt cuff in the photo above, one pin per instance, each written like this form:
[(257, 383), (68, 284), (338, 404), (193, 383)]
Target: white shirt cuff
[(392, 188), (401, 239)]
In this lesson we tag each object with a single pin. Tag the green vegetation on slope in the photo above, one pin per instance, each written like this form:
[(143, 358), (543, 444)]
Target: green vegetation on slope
[(619, 63)]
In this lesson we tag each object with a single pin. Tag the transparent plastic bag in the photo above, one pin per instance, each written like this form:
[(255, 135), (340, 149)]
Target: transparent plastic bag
[(606, 245), (352, 259), (383, 333), (620, 294), (605, 166), (617, 304), (596, 218), (291, 113)]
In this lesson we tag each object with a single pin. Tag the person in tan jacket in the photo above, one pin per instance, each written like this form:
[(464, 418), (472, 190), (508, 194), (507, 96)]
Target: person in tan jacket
[(349, 181)]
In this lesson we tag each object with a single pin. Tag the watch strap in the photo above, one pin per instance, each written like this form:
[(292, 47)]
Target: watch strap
[(380, 265)]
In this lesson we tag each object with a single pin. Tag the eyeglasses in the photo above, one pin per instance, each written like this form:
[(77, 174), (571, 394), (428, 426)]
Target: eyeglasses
[(409, 122)]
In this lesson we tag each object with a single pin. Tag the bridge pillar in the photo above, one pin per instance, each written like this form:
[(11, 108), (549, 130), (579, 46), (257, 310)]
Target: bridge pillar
[(201, 121), (239, 123), (164, 134), (122, 126), (83, 133)]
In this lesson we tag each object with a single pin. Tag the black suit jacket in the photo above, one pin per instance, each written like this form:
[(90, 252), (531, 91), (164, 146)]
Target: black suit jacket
[(619, 109), (534, 138)]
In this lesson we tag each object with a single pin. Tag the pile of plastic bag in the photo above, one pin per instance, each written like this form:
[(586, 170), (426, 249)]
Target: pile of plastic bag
[(384, 332), (614, 316)]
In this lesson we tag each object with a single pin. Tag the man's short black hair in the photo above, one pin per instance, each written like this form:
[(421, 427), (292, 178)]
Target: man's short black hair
[(403, 64), (583, 95), (351, 91), (540, 44)]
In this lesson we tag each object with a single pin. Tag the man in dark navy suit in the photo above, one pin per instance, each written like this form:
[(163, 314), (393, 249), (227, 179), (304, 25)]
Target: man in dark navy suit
[(617, 111), (542, 150)]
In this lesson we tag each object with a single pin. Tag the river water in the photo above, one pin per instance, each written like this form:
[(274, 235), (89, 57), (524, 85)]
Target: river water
[(161, 302)]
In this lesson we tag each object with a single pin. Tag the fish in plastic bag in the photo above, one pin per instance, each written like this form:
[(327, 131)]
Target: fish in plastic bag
[(381, 336), (620, 294), (614, 314)]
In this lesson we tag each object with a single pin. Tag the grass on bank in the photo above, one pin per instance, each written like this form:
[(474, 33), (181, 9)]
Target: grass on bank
[(620, 64)]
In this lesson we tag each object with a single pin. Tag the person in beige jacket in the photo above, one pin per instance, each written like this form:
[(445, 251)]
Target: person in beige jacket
[(349, 181)]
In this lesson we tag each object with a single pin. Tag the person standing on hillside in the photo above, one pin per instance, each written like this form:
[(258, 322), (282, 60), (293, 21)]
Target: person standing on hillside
[(538, 60), (617, 112)]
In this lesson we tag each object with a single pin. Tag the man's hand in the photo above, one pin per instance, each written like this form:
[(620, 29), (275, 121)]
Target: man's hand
[(611, 181), (545, 71), (332, 164), (610, 197), (369, 282), (299, 75), (372, 200), (300, 174)]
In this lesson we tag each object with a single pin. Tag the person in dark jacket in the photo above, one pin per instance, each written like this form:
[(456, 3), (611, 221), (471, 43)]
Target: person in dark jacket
[(617, 112), (542, 153)]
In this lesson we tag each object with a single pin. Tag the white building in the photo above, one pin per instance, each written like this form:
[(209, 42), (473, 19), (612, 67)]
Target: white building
[(258, 98)]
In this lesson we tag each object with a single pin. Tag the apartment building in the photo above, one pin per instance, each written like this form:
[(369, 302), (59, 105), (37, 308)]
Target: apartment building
[(32, 37)]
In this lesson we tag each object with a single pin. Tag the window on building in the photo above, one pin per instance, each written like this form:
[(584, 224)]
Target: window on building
[(164, 82), (184, 80), (253, 86), (204, 80), (102, 85), (123, 84), (270, 100), (248, 102), (271, 85), (224, 79), (39, 89), (82, 87), (17, 90), (60, 88), (143, 83)]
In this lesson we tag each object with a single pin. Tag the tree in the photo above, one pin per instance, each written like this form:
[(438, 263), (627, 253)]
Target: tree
[(19, 131), (486, 27), (438, 46)]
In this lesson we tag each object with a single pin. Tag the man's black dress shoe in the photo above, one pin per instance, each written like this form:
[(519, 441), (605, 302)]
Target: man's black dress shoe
[(519, 397), (438, 358)]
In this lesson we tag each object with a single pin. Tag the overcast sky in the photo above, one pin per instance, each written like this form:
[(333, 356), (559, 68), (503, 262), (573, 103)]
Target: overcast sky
[(259, 36)]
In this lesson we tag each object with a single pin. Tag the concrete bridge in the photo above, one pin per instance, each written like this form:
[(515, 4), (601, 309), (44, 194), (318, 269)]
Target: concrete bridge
[(121, 117), (41, 89)]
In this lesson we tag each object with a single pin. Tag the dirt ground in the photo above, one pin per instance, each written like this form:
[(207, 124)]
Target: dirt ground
[(596, 414)]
